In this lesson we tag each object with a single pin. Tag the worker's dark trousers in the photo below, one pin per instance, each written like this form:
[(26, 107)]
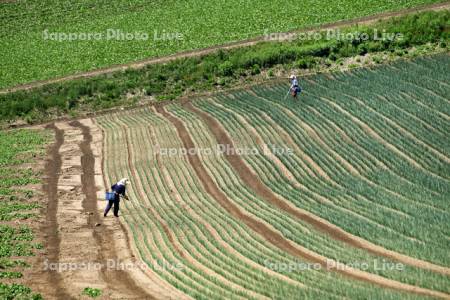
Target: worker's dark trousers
[(116, 207)]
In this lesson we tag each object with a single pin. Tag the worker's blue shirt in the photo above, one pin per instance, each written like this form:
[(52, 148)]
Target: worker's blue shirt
[(294, 82), (119, 190)]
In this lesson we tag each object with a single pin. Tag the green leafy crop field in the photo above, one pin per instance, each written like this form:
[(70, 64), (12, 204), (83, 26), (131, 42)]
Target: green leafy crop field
[(18, 207), (369, 154), (30, 50)]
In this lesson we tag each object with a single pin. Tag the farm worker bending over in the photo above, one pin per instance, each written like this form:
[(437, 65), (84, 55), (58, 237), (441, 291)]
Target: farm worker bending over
[(118, 189), (295, 88)]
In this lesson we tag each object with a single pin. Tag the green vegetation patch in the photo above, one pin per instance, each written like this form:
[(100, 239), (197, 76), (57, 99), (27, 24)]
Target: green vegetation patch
[(17, 291), (92, 292), (157, 28), (17, 147), (218, 70)]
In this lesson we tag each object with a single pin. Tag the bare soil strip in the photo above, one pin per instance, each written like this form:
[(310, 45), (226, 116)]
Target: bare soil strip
[(265, 230), (212, 231), (245, 43), (72, 235), (52, 170), (116, 279), (253, 182), (191, 257), (72, 220), (179, 199), (148, 279)]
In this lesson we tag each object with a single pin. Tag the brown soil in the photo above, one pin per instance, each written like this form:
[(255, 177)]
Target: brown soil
[(52, 286), (115, 279), (70, 231), (266, 231), (253, 182), (208, 226), (245, 43)]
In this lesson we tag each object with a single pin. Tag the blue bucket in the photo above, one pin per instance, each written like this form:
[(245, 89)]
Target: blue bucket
[(110, 196)]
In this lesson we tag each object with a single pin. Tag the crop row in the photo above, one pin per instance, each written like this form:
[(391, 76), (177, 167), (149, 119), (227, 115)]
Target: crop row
[(436, 207), (187, 211), (310, 196)]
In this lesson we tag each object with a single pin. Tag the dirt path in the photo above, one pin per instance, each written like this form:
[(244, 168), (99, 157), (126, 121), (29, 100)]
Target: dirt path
[(52, 285), (73, 241), (232, 45), (253, 182), (267, 231), (117, 280)]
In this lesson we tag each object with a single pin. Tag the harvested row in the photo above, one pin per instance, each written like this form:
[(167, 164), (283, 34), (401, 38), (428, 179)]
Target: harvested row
[(191, 271), (114, 151)]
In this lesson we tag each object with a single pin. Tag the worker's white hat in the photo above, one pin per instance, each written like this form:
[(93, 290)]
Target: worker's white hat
[(293, 76), (123, 181)]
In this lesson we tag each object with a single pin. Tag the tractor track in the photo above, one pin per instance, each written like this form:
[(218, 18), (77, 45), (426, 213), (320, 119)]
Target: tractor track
[(116, 279), (232, 45), (50, 229)]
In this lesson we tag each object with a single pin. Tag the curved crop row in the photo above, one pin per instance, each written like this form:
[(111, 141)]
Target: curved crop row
[(313, 240), (150, 237)]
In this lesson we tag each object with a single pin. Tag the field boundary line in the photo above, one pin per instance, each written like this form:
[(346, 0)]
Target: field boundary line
[(227, 46)]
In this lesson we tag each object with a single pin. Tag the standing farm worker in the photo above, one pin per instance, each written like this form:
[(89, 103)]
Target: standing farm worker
[(118, 189), (295, 88)]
